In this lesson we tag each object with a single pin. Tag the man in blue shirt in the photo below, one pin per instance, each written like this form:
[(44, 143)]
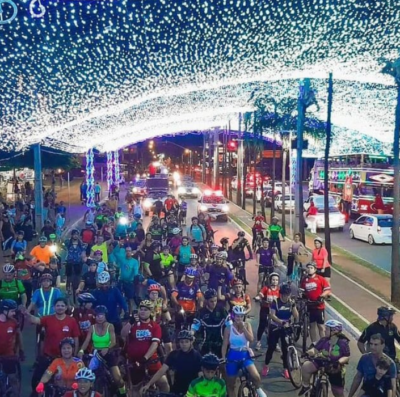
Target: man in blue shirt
[(129, 269)]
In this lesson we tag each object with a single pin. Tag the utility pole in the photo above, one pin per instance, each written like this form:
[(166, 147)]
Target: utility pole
[(216, 160), (229, 165), (239, 164), (38, 186), (210, 158), (203, 169), (304, 92)]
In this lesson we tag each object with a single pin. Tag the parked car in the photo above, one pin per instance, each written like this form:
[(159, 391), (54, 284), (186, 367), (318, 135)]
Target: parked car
[(318, 200), (373, 228), (289, 202), (336, 219)]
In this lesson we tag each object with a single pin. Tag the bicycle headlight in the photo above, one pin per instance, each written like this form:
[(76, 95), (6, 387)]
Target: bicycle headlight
[(123, 221), (147, 203), (53, 248)]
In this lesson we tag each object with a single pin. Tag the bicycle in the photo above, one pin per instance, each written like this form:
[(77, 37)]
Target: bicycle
[(257, 242), (7, 389), (292, 358), (303, 306), (246, 387), (320, 380), (52, 390), (397, 362)]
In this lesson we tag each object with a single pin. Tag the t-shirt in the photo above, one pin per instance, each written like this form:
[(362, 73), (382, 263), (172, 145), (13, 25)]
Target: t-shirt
[(85, 318), (8, 336), (283, 310), (11, 290), (186, 366), (202, 387), (219, 276), (377, 387), (64, 375), (186, 295), (129, 268), (196, 232), (23, 269), (269, 295), (42, 254), (319, 255), (183, 253), (44, 300), (87, 236), (314, 287), (103, 248), (89, 278), (366, 366), (55, 331), (140, 338), (336, 352), (266, 256)]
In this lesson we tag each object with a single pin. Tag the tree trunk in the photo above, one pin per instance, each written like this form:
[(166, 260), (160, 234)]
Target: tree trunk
[(284, 159), (326, 170), (395, 270), (273, 180)]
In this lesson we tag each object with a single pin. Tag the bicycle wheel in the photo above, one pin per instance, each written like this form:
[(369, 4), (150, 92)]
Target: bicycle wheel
[(294, 367), (322, 390), (246, 390), (304, 332)]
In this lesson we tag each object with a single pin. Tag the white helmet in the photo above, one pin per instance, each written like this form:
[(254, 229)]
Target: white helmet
[(222, 254), (85, 373), (176, 230), (8, 268), (103, 278), (239, 310)]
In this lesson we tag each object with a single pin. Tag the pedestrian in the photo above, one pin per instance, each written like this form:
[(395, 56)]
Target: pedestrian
[(97, 192), (311, 217)]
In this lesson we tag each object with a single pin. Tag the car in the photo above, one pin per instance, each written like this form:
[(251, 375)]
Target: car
[(373, 228), (139, 187), (188, 189), (336, 219), (151, 198), (289, 202), (318, 200), (214, 204)]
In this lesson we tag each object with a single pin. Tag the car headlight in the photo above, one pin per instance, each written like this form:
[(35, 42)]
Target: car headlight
[(203, 208), (147, 203), (181, 190), (225, 208), (196, 190)]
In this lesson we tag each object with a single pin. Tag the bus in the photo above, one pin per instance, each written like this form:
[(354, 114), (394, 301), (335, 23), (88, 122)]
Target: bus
[(358, 181)]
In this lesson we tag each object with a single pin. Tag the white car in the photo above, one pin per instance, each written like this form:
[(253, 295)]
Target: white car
[(214, 204), (188, 189), (336, 219), (289, 202), (318, 200), (373, 228)]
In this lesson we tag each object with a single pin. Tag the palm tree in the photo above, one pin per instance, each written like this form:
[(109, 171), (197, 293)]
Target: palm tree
[(393, 69)]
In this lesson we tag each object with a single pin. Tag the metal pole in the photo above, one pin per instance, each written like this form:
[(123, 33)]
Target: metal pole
[(229, 187), (239, 164), (203, 174), (290, 183), (38, 186), (216, 160), (69, 197)]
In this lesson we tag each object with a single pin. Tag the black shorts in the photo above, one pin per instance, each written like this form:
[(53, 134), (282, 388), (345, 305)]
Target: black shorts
[(265, 269), (317, 316), (211, 348), (326, 273), (165, 335)]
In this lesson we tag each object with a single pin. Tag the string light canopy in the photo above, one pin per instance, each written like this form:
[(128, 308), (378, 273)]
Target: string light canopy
[(108, 73)]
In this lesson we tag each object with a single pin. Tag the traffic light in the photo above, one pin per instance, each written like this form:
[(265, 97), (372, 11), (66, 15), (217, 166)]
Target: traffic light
[(232, 146)]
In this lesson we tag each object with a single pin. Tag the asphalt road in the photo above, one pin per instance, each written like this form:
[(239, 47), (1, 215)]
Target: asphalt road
[(274, 384)]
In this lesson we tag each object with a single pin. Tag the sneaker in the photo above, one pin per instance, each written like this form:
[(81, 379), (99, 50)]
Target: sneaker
[(265, 370), (260, 392), (304, 390), (258, 345), (278, 349), (285, 374)]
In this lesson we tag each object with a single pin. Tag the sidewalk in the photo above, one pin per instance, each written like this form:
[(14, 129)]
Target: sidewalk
[(346, 282)]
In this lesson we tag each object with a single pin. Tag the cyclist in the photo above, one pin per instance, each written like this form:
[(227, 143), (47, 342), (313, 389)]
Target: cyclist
[(156, 230), (384, 326), (213, 252), (238, 335), (101, 245), (208, 384), (10, 340), (267, 295), (142, 340), (102, 336), (182, 255), (209, 323), (54, 271), (185, 297), (219, 275), (23, 267), (266, 259), (112, 299), (42, 252), (239, 297), (168, 265), (158, 207), (238, 247), (152, 262), (276, 233), (85, 381), (88, 234), (185, 362), (257, 227), (10, 287), (197, 234), (64, 368), (176, 239), (18, 244), (170, 225), (88, 282), (84, 315), (320, 257), (315, 289), (335, 347), (183, 211), (281, 312)]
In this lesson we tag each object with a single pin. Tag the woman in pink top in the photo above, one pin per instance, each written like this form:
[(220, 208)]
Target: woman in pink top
[(320, 257)]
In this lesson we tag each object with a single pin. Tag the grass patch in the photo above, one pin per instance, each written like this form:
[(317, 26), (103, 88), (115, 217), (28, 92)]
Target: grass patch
[(241, 223), (348, 314)]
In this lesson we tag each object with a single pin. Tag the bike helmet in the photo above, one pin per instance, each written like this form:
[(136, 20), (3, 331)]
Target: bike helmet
[(137, 216), (237, 281), (67, 341), (52, 236), (319, 239), (154, 287), (214, 247), (147, 304), (224, 240), (74, 231), (8, 268), (43, 239), (312, 264), (210, 361), (210, 293), (185, 334), (285, 289), (46, 276), (86, 298), (190, 272), (275, 218), (176, 230), (384, 312), (155, 245), (334, 326), (7, 305), (241, 233), (85, 373), (101, 309), (22, 233), (193, 256), (239, 310), (222, 255), (103, 278), (273, 274), (98, 252)]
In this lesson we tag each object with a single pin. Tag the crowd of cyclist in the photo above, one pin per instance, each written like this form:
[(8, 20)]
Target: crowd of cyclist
[(167, 299)]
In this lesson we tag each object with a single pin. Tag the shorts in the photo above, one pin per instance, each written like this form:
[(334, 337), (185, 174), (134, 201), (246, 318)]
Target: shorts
[(139, 373), (265, 269), (11, 366), (128, 289), (326, 273), (236, 360), (317, 316), (165, 335), (111, 358)]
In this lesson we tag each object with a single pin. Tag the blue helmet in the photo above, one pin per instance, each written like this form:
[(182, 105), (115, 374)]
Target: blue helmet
[(190, 272)]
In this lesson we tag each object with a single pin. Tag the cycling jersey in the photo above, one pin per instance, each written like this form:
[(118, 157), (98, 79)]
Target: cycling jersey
[(242, 300), (335, 352), (186, 295), (183, 206), (157, 311), (313, 288), (258, 221), (104, 250), (156, 232), (44, 300), (275, 231), (283, 310), (266, 256), (8, 337), (85, 318), (11, 290), (64, 375), (113, 300), (219, 276), (167, 260), (202, 387), (24, 269), (269, 295)]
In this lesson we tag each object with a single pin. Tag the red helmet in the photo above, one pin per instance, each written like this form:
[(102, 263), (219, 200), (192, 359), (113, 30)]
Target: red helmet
[(154, 287)]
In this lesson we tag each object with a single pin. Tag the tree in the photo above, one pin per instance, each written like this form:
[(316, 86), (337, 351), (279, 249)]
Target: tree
[(393, 69)]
